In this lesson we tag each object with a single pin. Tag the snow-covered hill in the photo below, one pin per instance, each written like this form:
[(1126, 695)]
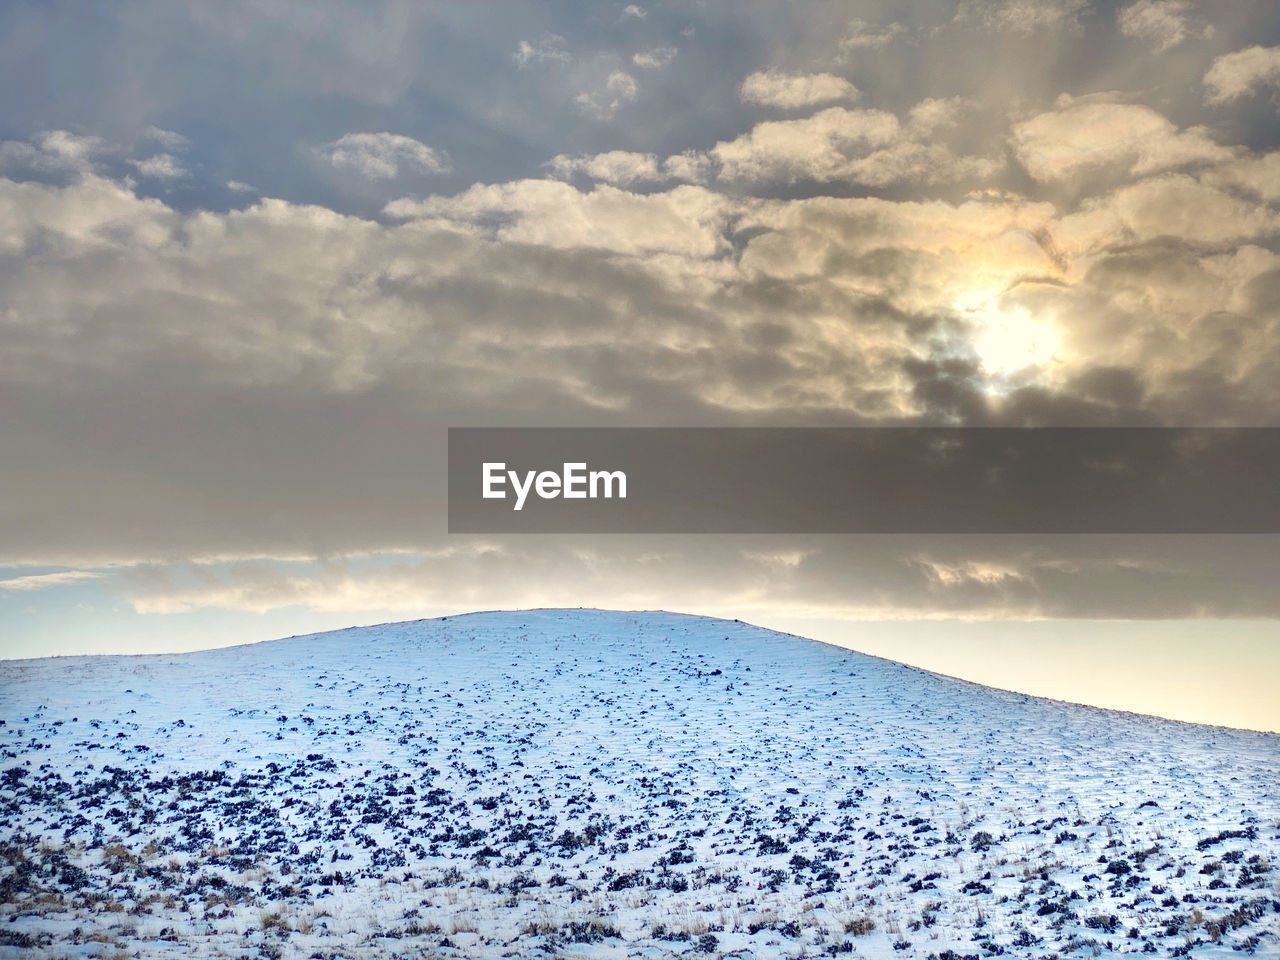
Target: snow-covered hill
[(611, 784)]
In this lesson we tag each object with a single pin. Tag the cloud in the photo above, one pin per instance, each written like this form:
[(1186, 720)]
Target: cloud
[(166, 138), (619, 88), (550, 48), (868, 36), (1020, 16), (163, 166), (1181, 207), (71, 146), (383, 156), (687, 220), (654, 59), (627, 168), (1174, 206), (287, 297), (860, 146), (621, 167), (188, 342), (44, 581), (693, 166), (1162, 23), (1079, 138), (770, 88), (633, 12), (923, 259), (1093, 577), (1258, 176), (55, 152), (937, 113), (825, 146), (19, 155), (1238, 74)]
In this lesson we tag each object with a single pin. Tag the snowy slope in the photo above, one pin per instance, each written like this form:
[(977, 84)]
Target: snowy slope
[(565, 783)]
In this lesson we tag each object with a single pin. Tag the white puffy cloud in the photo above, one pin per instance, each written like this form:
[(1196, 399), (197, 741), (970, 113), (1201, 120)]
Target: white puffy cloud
[(1162, 23), (163, 166), (862, 35), (936, 113), (1234, 75), (90, 215), (860, 146), (1182, 207), (65, 153), (823, 146), (620, 167), (687, 220), (1172, 206), (55, 152), (628, 168), (1081, 137), (1258, 176), (18, 155), (693, 166), (71, 146), (787, 91), (383, 156), (654, 59)]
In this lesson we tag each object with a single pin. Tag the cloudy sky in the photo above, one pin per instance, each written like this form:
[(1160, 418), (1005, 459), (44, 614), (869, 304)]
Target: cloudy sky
[(256, 257)]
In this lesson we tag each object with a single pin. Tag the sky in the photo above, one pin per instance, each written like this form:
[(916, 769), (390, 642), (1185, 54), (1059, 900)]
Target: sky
[(255, 258)]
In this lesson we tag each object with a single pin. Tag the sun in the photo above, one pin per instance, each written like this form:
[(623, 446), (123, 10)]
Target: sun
[(1011, 340)]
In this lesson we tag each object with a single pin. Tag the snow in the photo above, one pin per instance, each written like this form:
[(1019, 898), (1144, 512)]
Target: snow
[(586, 783)]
